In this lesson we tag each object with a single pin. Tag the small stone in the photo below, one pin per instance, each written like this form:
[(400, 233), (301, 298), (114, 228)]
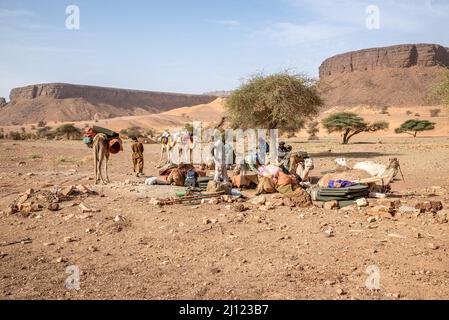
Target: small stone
[(259, 200), (341, 292), (67, 191), (330, 205), (381, 211), (214, 201), (92, 249), (329, 232), (60, 259), (53, 207), (433, 246), (70, 239), (47, 244), (371, 219), (362, 202), (215, 270)]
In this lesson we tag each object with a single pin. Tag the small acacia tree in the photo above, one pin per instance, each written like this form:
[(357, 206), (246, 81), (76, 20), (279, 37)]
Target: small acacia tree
[(279, 101), (312, 130), (412, 127), (69, 131), (350, 124)]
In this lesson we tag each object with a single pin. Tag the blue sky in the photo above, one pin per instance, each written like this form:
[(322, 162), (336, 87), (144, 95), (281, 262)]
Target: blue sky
[(197, 45)]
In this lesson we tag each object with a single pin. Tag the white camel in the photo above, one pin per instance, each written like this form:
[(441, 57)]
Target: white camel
[(182, 141)]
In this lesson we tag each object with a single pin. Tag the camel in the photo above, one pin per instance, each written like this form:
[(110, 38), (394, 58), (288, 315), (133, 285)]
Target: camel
[(101, 152), (182, 140)]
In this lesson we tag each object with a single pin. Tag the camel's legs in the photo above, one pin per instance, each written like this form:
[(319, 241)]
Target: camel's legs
[(107, 171), (96, 163)]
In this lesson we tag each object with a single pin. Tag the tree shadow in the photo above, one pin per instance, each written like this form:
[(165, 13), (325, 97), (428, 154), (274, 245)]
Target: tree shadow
[(358, 155)]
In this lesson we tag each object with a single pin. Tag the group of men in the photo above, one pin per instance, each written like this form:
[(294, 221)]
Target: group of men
[(294, 163)]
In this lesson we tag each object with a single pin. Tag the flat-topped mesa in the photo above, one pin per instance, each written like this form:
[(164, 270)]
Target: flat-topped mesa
[(399, 56), (120, 98)]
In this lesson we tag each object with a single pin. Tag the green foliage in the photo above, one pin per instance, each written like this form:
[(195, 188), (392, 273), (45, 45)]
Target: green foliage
[(45, 132), (312, 130), (279, 101), (14, 135), (414, 126), (134, 132), (69, 131), (440, 93), (350, 124)]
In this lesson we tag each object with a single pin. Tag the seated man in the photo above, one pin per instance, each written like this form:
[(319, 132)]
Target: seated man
[(300, 165)]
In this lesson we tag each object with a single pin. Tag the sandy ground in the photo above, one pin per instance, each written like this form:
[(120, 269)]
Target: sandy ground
[(170, 253)]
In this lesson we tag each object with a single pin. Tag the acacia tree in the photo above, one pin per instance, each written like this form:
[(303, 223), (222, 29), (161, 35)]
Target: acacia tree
[(412, 127), (312, 130), (350, 124), (69, 131), (279, 101)]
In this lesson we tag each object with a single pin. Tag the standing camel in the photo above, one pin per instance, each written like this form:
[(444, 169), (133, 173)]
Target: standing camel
[(101, 152), (182, 140)]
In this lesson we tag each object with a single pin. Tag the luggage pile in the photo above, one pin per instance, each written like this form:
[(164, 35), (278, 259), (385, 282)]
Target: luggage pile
[(344, 196), (113, 138)]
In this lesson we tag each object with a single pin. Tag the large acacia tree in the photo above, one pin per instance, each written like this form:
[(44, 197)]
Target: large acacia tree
[(350, 124), (413, 126), (279, 101)]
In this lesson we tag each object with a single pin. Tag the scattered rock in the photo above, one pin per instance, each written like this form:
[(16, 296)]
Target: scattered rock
[(92, 249), (429, 206), (214, 201), (371, 219), (67, 191), (318, 204), (341, 292), (329, 232), (70, 239), (381, 211), (330, 205), (259, 200), (60, 260), (240, 207), (84, 209), (362, 202), (433, 246), (53, 207), (266, 208)]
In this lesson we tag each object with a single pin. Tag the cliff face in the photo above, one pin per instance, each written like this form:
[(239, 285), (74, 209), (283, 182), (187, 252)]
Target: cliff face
[(399, 75), (66, 102), (401, 56)]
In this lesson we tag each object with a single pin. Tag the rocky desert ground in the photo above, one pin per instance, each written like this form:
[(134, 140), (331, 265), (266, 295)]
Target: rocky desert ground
[(127, 248)]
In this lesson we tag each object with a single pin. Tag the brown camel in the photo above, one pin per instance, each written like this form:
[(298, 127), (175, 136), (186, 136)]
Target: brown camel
[(101, 152)]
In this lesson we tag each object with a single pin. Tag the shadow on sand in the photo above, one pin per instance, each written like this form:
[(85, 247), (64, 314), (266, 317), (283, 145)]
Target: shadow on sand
[(349, 155)]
